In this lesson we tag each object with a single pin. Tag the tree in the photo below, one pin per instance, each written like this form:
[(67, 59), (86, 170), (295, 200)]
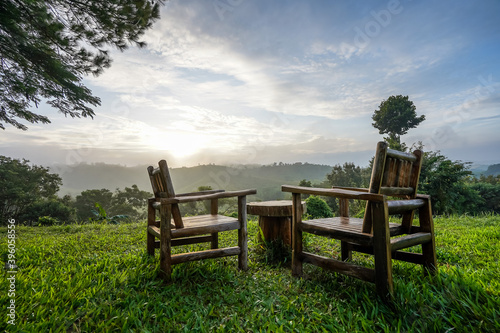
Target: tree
[(131, 202), (46, 47), (348, 175), (85, 202), (22, 184), (395, 117), (445, 181)]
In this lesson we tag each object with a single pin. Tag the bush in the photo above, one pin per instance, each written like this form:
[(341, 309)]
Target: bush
[(48, 208), (44, 221), (317, 207)]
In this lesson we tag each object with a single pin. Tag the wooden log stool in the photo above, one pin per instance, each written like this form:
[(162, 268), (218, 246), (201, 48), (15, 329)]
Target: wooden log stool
[(275, 219)]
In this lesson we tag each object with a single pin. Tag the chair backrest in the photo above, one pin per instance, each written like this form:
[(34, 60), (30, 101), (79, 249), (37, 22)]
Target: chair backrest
[(395, 174), (161, 183)]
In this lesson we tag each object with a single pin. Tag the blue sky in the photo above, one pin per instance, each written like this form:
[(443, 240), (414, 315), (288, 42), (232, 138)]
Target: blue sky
[(254, 81)]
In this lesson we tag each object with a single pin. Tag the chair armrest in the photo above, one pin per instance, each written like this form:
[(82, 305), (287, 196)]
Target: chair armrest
[(332, 192), (217, 195), (198, 193), (357, 189)]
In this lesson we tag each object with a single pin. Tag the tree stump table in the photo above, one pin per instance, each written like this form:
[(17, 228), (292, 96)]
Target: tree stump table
[(275, 219)]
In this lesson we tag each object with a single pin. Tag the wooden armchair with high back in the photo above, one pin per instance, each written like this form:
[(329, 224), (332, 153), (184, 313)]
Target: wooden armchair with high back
[(193, 229), (395, 174)]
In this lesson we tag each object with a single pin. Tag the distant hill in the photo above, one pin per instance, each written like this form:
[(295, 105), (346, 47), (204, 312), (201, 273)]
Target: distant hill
[(266, 179), (493, 170)]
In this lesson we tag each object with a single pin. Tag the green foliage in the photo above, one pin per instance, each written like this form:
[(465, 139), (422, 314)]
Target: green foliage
[(101, 216), (348, 175), (130, 201), (306, 183), (54, 208), (317, 208), (490, 193), (47, 47), (97, 278), (45, 221), (396, 116), (22, 185), (444, 180), (85, 202)]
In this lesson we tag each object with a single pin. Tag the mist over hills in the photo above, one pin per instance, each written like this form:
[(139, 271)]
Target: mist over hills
[(267, 179)]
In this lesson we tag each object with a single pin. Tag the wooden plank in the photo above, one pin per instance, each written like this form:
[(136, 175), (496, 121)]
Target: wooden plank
[(296, 235), (396, 191), (415, 258), (378, 167), (410, 240), (386, 178), (219, 195), (198, 193), (338, 193), (242, 233), (206, 224), (207, 254), (399, 173), (176, 214), (191, 240), (359, 189), (335, 228), (401, 155), (415, 171), (343, 267), (401, 206)]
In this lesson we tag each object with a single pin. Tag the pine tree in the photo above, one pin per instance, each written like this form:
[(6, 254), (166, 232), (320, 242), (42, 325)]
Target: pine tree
[(46, 47)]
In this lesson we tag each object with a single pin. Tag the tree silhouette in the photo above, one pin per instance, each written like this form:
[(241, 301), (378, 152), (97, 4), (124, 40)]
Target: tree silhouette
[(396, 116)]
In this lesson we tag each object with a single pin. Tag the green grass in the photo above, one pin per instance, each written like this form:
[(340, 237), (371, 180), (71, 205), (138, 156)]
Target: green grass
[(97, 278)]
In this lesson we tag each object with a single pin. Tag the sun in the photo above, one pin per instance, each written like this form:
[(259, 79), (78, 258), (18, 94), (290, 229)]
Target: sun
[(179, 143)]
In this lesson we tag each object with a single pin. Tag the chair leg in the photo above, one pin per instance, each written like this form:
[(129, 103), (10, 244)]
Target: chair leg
[(382, 250), (215, 241), (345, 251), (428, 249), (165, 244), (150, 245), (296, 235), (242, 233), (429, 255)]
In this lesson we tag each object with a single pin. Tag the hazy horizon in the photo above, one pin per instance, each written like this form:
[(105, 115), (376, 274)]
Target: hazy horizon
[(257, 82)]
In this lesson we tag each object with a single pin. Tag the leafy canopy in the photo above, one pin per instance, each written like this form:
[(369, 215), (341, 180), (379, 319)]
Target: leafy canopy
[(22, 184), (395, 117), (46, 47)]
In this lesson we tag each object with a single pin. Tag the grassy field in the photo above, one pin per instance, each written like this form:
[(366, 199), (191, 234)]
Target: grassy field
[(97, 278)]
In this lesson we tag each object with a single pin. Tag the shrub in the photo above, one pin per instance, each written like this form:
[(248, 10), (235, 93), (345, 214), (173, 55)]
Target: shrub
[(44, 221), (317, 207)]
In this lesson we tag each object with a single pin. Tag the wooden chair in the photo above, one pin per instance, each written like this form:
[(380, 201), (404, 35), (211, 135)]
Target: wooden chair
[(395, 174), (193, 229)]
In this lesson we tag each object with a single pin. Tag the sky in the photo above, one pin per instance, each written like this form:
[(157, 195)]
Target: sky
[(259, 81)]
